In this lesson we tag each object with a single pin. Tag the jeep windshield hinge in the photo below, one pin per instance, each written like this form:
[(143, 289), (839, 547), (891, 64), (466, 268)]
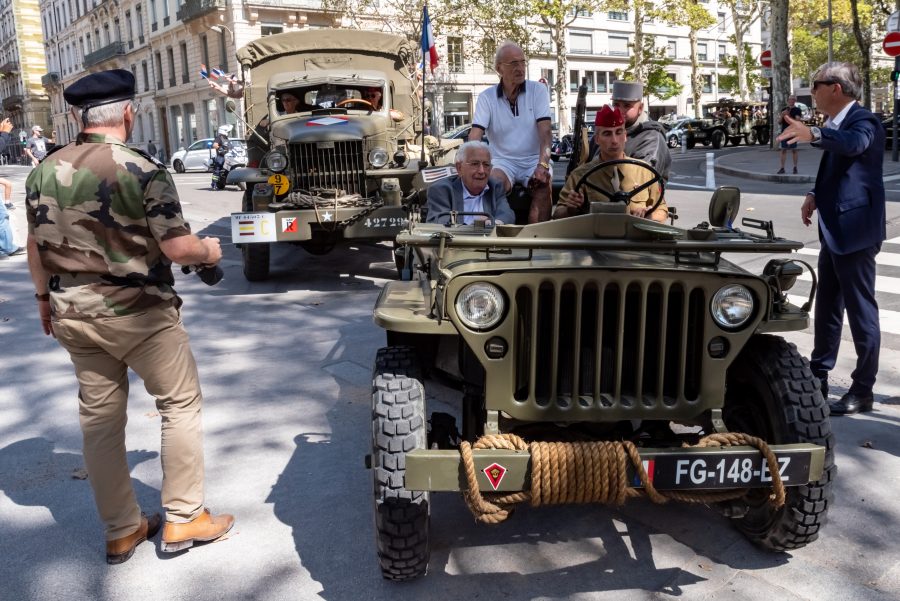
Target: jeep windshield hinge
[(759, 224)]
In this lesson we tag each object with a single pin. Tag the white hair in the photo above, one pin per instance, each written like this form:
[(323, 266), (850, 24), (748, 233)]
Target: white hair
[(501, 48), (462, 153), (105, 115)]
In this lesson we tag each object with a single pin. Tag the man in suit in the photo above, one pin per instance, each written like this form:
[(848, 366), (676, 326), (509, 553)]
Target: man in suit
[(472, 191), (610, 138), (849, 195)]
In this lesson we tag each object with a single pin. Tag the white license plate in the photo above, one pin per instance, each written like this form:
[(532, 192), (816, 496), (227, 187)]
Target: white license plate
[(253, 227)]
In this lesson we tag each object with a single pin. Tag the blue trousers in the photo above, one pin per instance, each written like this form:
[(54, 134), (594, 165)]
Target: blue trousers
[(847, 282), (6, 233)]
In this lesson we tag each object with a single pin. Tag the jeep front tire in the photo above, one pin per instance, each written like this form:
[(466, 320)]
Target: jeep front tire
[(771, 393), (398, 426), (255, 257)]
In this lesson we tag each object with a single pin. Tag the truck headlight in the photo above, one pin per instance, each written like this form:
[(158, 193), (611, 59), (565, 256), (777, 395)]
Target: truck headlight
[(276, 161), (480, 306), (732, 306), (378, 157)]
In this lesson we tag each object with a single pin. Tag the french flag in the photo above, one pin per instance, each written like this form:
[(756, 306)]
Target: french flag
[(203, 72), (428, 47)]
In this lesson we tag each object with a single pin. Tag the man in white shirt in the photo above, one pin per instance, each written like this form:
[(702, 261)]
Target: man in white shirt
[(515, 115), (472, 191)]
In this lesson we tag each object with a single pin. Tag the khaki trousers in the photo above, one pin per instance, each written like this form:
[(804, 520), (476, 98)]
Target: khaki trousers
[(155, 345)]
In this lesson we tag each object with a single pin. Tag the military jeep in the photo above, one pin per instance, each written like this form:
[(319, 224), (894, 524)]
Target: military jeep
[(339, 167), (596, 357)]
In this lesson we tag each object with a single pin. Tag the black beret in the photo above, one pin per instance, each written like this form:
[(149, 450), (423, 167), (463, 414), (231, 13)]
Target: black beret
[(101, 88)]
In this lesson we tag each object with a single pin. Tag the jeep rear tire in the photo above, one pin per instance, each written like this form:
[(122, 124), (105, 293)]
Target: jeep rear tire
[(255, 257), (398, 426), (718, 138), (750, 138), (771, 393)]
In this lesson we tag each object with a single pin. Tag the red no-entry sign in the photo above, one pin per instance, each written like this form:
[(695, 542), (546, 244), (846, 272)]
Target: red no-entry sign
[(765, 59), (891, 43)]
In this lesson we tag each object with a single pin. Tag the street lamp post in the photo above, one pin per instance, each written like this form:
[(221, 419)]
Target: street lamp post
[(829, 23)]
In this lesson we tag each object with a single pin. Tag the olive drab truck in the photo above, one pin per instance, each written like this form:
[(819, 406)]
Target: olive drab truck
[(340, 167)]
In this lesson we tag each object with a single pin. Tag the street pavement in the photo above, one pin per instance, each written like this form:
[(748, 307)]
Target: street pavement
[(285, 366)]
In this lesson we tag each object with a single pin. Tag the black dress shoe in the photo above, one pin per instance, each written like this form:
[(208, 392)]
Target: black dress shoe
[(852, 403)]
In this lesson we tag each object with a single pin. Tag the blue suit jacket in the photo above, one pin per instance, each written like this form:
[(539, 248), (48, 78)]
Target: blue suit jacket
[(447, 195), (849, 186)]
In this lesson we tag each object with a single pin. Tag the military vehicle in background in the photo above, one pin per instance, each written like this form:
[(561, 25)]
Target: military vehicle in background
[(340, 167), (725, 122)]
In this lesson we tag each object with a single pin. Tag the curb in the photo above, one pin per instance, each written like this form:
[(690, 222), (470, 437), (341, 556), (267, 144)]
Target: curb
[(766, 177)]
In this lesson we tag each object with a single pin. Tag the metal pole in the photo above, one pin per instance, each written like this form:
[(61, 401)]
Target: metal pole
[(830, 35), (895, 151)]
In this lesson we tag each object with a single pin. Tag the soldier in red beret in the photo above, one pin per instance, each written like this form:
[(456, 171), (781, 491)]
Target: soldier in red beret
[(609, 135)]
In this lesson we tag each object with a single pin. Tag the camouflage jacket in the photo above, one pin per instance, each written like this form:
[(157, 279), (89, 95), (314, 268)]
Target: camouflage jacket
[(98, 210)]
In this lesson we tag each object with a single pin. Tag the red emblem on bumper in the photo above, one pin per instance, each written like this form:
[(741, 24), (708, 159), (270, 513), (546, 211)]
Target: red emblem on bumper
[(495, 473)]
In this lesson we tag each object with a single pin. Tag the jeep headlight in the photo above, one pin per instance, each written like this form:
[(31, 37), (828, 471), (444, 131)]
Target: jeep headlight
[(276, 161), (732, 306), (480, 306), (378, 157)]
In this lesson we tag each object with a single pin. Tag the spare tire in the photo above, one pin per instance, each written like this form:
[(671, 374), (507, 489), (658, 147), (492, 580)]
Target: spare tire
[(733, 126)]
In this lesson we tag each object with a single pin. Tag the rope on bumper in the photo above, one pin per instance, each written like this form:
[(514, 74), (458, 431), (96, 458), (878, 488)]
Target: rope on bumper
[(593, 472)]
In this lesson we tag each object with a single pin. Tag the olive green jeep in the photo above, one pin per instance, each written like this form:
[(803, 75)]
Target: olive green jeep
[(338, 163), (596, 357)]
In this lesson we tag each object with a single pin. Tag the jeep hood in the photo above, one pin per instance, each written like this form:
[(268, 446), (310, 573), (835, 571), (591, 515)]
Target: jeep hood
[(330, 128)]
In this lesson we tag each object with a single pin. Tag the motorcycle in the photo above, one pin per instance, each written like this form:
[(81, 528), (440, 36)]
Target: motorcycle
[(235, 157)]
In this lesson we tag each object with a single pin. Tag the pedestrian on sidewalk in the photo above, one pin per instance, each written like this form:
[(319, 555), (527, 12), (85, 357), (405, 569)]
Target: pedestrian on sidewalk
[(109, 300), (849, 195), (36, 147), (8, 247), (793, 111)]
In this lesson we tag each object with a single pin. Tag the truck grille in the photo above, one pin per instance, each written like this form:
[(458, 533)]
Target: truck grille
[(625, 345), (329, 166)]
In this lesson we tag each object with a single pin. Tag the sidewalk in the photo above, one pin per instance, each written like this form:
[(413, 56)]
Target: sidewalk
[(761, 163)]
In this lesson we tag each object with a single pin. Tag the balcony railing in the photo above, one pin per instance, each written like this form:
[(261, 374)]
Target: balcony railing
[(104, 54), (50, 79), (192, 9), (13, 103), (9, 67), (294, 4)]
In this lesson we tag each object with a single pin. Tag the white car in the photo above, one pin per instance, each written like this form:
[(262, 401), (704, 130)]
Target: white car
[(197, 155)]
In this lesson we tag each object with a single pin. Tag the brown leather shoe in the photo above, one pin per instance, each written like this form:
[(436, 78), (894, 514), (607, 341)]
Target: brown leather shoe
[(120, 550), (205, 527)]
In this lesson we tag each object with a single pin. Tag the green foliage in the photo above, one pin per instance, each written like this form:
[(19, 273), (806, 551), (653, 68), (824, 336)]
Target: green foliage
[(729, 81), (657, 82)]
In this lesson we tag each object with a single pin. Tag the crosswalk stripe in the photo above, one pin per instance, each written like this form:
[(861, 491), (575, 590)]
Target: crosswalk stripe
[(882, 258), (888, 320)]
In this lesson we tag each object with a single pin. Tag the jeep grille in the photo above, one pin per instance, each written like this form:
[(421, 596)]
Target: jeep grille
[(329, 166), (626, 345)]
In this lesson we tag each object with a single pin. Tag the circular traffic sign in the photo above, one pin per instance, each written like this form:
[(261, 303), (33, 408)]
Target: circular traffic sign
[(765, 59), (891, 43)]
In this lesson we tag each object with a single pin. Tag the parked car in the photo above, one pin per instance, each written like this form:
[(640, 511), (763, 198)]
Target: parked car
[(673, 136), (196, 156)]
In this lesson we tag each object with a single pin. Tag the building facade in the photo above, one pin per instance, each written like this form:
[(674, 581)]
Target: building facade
[(22, 63)]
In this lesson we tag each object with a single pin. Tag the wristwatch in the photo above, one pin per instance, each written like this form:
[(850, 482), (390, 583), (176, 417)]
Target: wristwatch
[(816, 134)]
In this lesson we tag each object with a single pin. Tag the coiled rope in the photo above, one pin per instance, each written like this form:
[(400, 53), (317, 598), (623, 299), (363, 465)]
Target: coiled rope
[(593, 472)]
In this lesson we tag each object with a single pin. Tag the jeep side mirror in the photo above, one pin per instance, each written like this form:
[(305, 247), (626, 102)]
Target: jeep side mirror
[(724, 206)]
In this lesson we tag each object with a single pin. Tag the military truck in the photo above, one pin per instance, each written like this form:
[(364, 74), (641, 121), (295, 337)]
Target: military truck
[(596, 357), (340, 167), (727, 122)]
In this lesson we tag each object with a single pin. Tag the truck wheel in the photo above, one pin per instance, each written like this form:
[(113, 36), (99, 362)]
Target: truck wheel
[(763, 136), (750, 138), (398, 426), (255, 257), (734, 140), (771, 393), (718, 139)]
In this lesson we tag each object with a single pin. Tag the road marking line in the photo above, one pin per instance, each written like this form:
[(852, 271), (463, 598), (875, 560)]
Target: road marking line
[(670, 184), (889, 321), (882, 258), (883, 283)]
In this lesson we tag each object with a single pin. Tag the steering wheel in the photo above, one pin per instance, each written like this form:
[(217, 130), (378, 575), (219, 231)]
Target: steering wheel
[(622, 195), (357, 100)]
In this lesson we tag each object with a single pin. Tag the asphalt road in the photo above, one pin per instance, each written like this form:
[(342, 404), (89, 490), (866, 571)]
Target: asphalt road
[(286, 366)]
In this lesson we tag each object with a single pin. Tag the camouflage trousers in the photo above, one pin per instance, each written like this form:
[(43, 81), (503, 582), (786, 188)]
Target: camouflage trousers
[(154, 344)]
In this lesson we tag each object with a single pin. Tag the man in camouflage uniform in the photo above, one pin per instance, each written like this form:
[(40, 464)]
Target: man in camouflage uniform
[(104, 226)]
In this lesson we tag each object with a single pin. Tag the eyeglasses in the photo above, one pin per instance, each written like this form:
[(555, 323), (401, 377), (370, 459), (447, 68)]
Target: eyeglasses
[(476, 164), (514, 64), (823, 82)]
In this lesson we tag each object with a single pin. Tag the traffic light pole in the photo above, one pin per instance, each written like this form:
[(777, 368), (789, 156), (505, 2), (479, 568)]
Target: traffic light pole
[(895, 151)]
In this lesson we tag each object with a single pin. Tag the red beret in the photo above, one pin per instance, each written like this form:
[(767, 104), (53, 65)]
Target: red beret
[(609, 117)]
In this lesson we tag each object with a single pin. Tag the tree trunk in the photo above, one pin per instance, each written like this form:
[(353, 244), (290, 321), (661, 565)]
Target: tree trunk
[(864, 52), (781, 64), (740, 64), (696, 79), (562, 83), (639, 63)]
